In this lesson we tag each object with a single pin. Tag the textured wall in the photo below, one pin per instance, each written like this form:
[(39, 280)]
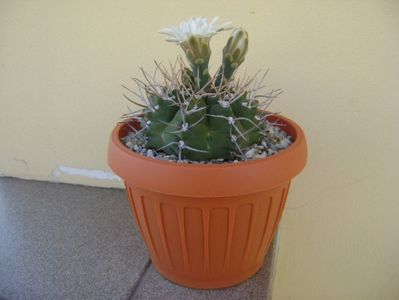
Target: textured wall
[(61, 63)]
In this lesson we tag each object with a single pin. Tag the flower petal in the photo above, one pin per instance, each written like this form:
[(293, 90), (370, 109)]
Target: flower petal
[(196, 26)]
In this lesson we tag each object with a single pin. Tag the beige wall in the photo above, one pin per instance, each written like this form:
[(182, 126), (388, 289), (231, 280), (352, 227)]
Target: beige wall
[(61, 63)]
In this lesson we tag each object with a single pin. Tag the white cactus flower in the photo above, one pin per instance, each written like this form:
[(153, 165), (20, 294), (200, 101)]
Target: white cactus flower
[(196, 26)]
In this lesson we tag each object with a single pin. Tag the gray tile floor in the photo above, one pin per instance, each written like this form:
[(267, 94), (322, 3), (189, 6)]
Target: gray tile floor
[(61, 241)]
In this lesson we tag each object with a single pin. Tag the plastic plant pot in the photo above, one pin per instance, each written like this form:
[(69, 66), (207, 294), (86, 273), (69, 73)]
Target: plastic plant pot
[(208, 225)]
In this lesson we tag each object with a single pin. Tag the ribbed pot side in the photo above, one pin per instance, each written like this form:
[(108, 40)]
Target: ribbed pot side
[(208, 226), (203, 243)]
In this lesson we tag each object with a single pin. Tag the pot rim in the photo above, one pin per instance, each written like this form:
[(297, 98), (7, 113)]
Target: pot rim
[(156, 174)]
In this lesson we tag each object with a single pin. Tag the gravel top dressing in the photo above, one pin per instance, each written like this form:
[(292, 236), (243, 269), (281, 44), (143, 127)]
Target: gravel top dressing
[(276, 140)]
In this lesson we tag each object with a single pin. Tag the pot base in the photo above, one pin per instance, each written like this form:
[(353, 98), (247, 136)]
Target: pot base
[(211, 282)]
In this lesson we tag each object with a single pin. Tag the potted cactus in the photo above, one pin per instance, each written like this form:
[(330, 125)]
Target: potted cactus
[(206, 167)]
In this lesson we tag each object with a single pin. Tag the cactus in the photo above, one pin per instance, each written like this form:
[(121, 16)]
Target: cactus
[(198, 117)]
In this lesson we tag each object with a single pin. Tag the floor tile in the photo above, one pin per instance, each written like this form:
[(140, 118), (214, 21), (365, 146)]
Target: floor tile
[(60, 241)]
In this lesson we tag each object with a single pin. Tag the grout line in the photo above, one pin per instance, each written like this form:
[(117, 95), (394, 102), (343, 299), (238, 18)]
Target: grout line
[(138, 283), (273, 266)]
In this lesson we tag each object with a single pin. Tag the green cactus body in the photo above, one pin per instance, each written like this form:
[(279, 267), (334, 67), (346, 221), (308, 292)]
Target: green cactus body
[(204, 134)]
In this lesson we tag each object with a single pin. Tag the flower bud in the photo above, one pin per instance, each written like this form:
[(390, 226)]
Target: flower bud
[(233, 54), (237, 46)]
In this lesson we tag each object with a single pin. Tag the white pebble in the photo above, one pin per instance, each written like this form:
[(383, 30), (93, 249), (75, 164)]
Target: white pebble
[(261, 155), (250, 153), (150, 153)]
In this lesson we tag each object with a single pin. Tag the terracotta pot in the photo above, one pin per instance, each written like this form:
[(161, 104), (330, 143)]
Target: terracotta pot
[(208, 226)]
